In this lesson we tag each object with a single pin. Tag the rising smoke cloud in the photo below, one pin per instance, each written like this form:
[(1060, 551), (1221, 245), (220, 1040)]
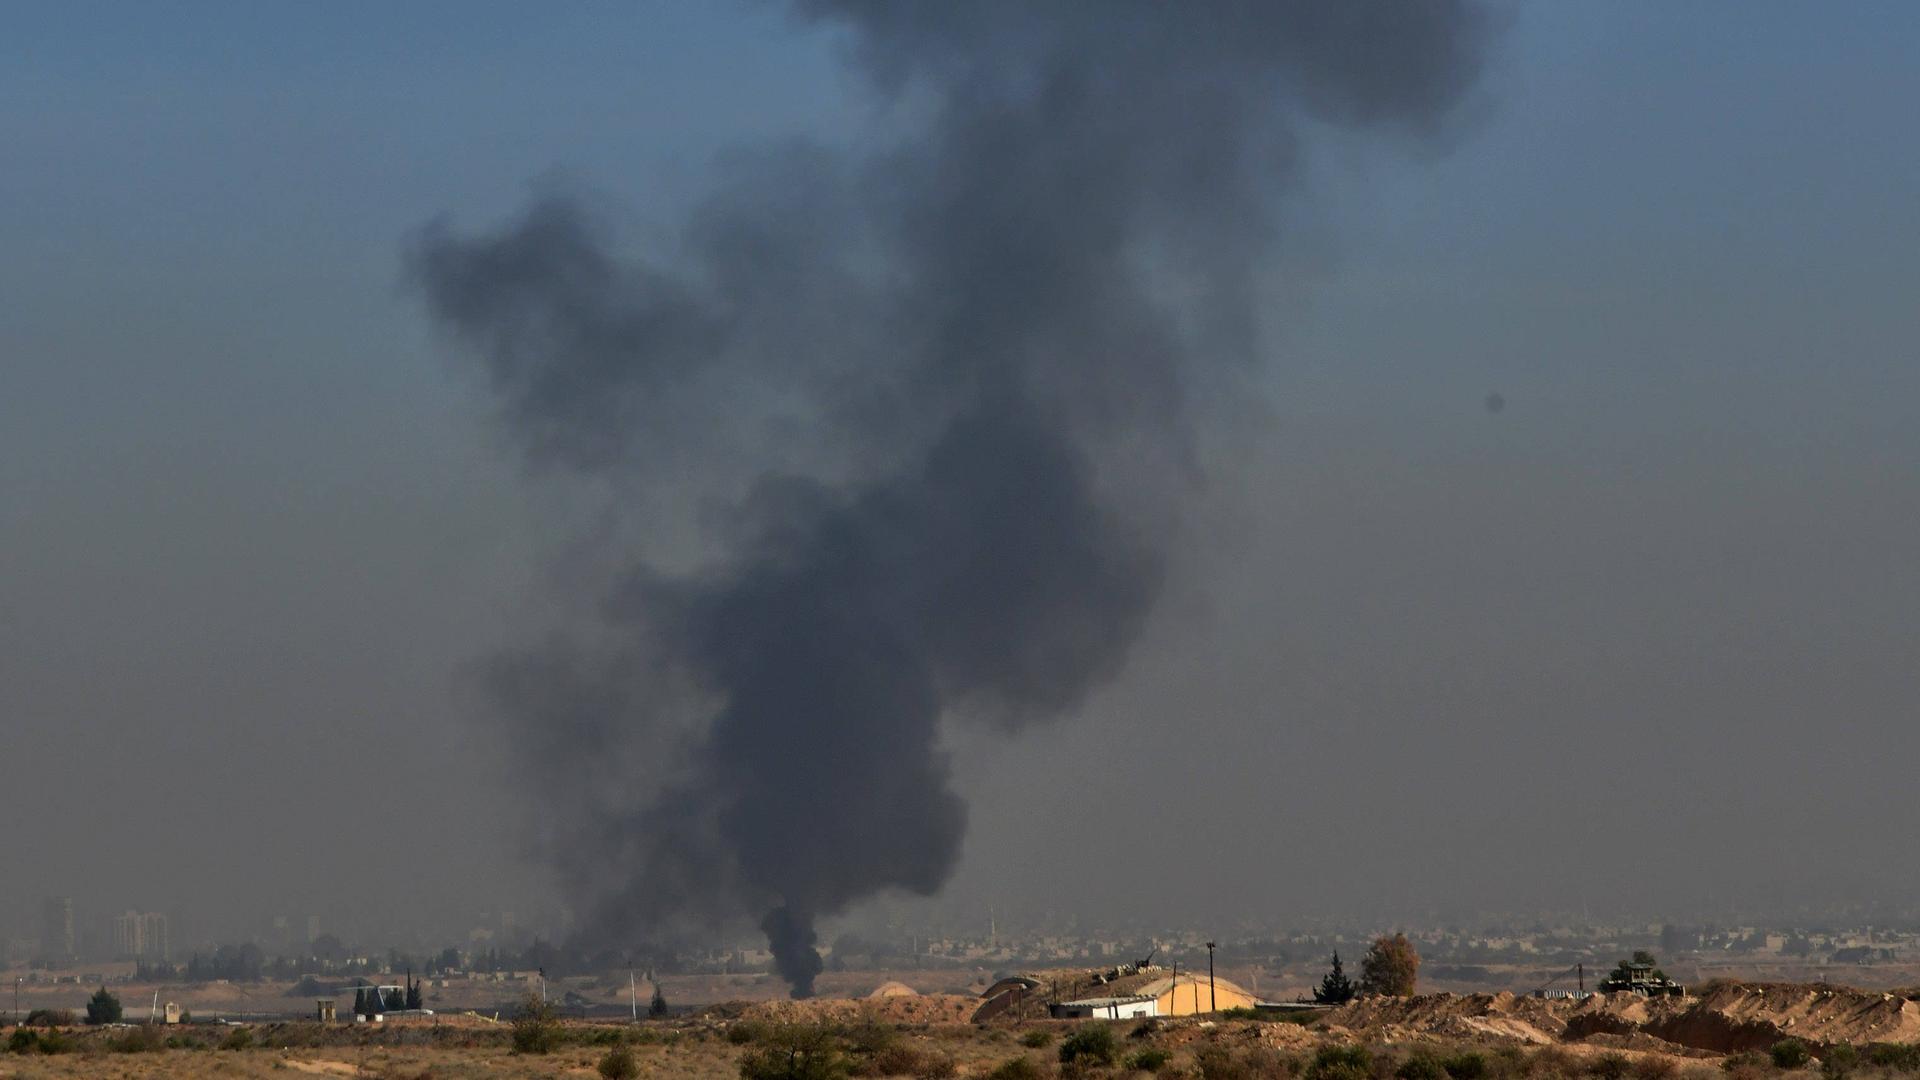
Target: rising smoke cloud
[(943, 391)]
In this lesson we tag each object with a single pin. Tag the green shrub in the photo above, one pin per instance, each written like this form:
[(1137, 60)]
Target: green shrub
[(1791, 1054), (869, 1038), (1550, 1061), (742, 1032), (23, 1041), (1340, 1063), (238, 1039), (1895, 1057), (1421, 1066), (902, 1060), (1152, 1060), (619, 1064), (935, 1067), (1839, 1061), (1654, 1067), (50, 1018), (1036, 1038), (1020, 1068), (1609, 1066), (1218, 1063), (795, 1052), (1090, 1042), (140, 1040), (1466, 1065), (55, 1042)]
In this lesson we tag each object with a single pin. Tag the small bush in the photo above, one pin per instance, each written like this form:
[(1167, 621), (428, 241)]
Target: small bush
[(1839, 1061), (1421, 1066), (1895, 1057), (237, 1039), (1020, 1068), (1036, 1038), (1466, 1065), (869, 1037), (55, 1042), (743, 1032), (1089, 1042), (1218, 1063), (23, 1041), (1654, 1067), (1551, 1061), (47, 1018), (144, 1039), (1791, 1054), (935, 1067), (902, 1060), (1152, 1060), (619, 1064), (1609, 1066), (795, 1052), (1340, 1063)]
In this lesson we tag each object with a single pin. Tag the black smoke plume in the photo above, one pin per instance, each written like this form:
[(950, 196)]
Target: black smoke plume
[(932, 399)]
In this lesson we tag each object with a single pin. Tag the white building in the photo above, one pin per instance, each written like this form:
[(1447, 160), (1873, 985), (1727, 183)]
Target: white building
[(1108, 1008)]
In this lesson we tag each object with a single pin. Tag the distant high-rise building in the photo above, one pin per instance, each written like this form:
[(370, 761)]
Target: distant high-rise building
[(313, 929), (141, 936), (56, 929)]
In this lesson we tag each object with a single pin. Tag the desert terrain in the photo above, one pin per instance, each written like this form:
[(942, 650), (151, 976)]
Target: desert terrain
[(1746, 1030)]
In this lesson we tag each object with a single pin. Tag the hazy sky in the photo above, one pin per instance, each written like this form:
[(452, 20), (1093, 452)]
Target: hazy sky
[(1656, 618)]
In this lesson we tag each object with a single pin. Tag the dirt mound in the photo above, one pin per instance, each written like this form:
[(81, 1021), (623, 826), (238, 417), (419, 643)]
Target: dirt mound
[(1732, 1017), (909, 1008), (1641, 1042), (893, 989), (1498, 1018)]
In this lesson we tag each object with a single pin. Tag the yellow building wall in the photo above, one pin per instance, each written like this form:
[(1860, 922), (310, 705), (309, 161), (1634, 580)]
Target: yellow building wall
[(1190, 998)]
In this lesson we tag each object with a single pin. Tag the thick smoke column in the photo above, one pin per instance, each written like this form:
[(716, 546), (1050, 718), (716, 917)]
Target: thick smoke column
[(942, 387)]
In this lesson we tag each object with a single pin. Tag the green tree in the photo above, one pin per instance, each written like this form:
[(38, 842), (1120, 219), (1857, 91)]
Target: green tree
[(1391, 966), (1336, 988), (534, 1030), (658, 1006), (103, 1008)]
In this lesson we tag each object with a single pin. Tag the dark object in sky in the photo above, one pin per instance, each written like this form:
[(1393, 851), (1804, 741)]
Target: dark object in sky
[(989, 333), (1496, 403)]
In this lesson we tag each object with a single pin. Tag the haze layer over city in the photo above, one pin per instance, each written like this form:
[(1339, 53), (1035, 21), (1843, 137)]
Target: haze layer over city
[(1501, 524)]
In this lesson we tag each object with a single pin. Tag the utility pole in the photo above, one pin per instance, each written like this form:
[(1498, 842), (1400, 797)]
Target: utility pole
[(1176, 990), (1213, 999), (633, 996)]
